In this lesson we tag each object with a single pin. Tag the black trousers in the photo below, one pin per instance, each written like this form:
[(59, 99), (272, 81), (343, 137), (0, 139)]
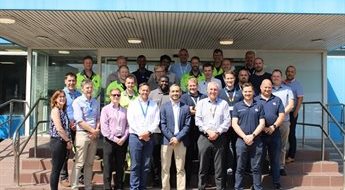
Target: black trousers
[(58, 151), (114, 157), (211, 151), (64, 171)]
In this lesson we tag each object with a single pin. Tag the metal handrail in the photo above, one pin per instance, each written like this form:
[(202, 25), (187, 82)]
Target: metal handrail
[(9, 121), (325, 133), (16, 140)]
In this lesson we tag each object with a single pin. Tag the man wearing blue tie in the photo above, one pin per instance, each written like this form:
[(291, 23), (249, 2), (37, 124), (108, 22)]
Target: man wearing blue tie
[(175, 120)]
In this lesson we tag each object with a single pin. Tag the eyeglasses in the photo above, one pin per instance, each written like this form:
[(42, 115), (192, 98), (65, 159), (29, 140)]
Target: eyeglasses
[(116, 95)]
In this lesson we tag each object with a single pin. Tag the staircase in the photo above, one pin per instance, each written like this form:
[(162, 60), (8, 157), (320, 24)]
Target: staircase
[(307, 172)]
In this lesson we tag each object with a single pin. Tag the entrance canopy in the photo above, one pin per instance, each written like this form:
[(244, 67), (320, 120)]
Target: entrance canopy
[(251, 24)]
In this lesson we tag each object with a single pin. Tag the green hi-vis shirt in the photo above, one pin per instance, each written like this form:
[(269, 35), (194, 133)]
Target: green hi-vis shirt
[(217, 72), (96, 81), (113, 85), (186, 77)]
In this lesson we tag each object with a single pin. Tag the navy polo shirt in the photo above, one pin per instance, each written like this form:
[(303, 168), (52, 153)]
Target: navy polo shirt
[(248, 116), (272, 107)]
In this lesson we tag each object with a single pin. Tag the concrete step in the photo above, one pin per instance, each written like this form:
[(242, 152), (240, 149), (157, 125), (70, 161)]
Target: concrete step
[(45, 164), (319, 179), (299, 167)]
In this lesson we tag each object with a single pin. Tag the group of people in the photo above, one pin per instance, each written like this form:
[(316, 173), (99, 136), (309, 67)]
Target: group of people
[(227, 119)]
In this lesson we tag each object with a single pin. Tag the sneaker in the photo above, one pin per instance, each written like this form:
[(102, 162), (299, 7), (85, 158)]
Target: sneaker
[(289, 160), (283, 172), (277, 186), (65, 183)]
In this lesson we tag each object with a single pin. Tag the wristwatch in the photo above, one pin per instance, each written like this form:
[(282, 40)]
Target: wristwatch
[(254, 135)]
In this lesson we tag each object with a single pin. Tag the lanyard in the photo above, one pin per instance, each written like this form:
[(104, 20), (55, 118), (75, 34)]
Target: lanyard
[(233, 95), (142, 109), (214, 110), (197, 99)]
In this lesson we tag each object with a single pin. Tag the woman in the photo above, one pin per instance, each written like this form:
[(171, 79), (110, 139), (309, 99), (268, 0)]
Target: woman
[(115, 131), (60, 133)]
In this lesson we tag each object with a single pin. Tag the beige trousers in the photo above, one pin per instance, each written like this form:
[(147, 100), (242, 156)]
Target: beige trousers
[(284, 133), (84, 156), (180, 155)]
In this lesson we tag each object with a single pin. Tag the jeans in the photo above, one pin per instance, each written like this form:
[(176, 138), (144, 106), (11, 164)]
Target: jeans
[(58, 151), (272, 144), (254, 154), (113, 159), (292, 136), (64, 171), (140, 152)]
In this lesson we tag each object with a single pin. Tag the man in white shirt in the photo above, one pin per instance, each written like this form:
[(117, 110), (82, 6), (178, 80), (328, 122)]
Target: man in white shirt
[(213, 119), (143, 120)]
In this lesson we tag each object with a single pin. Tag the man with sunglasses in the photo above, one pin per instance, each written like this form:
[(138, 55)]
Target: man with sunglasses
[(115, 131)]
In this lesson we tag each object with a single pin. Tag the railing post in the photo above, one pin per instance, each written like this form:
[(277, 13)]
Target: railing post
[(322, 136), (10, 120), (16, 159), (303, 129), (35, 139)]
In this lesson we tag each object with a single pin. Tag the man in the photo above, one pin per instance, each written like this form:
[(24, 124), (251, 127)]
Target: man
[(87, 73), (183, 66), (131, 91), (142, 74), (285, 94), (274, 117), (217, 62), (207, 69), (175, 120), (194, 73), (119, 83), (213, 118), (115, 142), (159, 71), (298, 94), (71, 94), (249, 61), (243, 77), (191, 98), (143, 120), (231, 95), (160, 96), (226, 66), (248, 122), (166, 61), (259, 75), (120, 61), (86, 115)]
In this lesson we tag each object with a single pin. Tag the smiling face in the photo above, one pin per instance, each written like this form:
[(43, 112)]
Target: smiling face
[(248, 93), (208, 72), (60, 100), (130, 83), (123, 72), (70, 82), (266, 88), (164, 84), (192, 86), (212, 91), (87, 90), (175, 93), (229, 80), (290, 73), (115, 95), (144, 92), (277, 78)]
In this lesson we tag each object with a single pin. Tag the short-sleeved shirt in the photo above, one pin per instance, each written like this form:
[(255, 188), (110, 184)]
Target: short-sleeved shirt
[(86, 110), (272, 108), (296, 88), (256, 81), (248, 116), (285, 94)]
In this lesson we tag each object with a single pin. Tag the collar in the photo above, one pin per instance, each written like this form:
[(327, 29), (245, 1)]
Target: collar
[(291, 81), (192, 74), (113, 105), (197, 95), (277, 87), (92, 74), (69, 91), (262, 97), (174, 104), (209, 100), (230, 90), (83, 97), (161, 92)]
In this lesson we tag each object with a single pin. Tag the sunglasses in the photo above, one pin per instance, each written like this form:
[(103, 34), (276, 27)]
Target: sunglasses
[(116, 95)]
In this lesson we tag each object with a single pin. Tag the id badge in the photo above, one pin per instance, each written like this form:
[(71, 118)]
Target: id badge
[(231, 108)]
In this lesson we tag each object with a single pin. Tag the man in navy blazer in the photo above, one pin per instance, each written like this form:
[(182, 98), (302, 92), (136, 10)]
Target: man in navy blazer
[(175, 121)]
